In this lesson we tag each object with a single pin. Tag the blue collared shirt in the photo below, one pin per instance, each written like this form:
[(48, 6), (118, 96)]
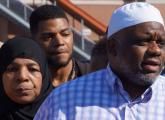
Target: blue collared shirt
[(100, 96)]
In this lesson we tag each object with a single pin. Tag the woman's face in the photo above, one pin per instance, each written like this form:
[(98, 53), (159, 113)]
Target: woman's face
[(22, 80)]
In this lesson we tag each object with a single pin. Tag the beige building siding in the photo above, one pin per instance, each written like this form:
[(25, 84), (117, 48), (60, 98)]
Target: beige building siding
[(103, 12)]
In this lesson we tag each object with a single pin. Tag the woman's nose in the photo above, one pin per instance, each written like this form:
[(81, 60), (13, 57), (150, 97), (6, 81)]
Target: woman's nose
[(22, 75)]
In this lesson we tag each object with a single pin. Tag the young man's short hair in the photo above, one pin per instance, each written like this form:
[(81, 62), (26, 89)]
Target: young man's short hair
[(43, 13)]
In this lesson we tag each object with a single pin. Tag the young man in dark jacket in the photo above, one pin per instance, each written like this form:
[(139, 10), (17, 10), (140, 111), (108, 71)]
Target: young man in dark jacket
[(50, 27)]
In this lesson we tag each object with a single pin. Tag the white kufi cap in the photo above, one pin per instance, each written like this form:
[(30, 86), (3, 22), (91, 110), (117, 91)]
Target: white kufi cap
[(133, 14)]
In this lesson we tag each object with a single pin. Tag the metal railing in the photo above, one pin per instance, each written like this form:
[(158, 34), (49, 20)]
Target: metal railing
[(19, 9), (82, 44)]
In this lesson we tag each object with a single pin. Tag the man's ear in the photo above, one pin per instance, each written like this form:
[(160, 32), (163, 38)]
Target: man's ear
[(111, 47)]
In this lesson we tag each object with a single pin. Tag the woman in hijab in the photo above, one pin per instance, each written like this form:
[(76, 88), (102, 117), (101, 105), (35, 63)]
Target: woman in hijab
[(24, 79)]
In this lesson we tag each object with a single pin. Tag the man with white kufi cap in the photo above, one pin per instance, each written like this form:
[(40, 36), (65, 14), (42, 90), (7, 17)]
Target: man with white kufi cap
[(130, 88)]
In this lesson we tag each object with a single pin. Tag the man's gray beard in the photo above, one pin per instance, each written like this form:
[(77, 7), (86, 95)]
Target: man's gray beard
[(140, 79), (58, 64), (137, 78)]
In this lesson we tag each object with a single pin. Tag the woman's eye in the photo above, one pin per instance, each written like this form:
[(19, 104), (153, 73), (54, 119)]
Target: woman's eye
[(34, 69), (11, 69)]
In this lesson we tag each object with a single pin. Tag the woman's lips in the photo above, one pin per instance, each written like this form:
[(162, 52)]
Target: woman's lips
[(24, 90), (151, 65)]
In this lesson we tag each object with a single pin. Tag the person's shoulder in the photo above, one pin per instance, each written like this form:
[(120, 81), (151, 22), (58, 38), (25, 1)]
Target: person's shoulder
[(73, 93), (161, 78), (86, 81), (80, 88), (160, 82)]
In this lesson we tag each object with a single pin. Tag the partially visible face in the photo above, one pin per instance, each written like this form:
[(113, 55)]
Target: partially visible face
[(22, 80), (98, 62), (56, 37), (140, 52), (99, 58)]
